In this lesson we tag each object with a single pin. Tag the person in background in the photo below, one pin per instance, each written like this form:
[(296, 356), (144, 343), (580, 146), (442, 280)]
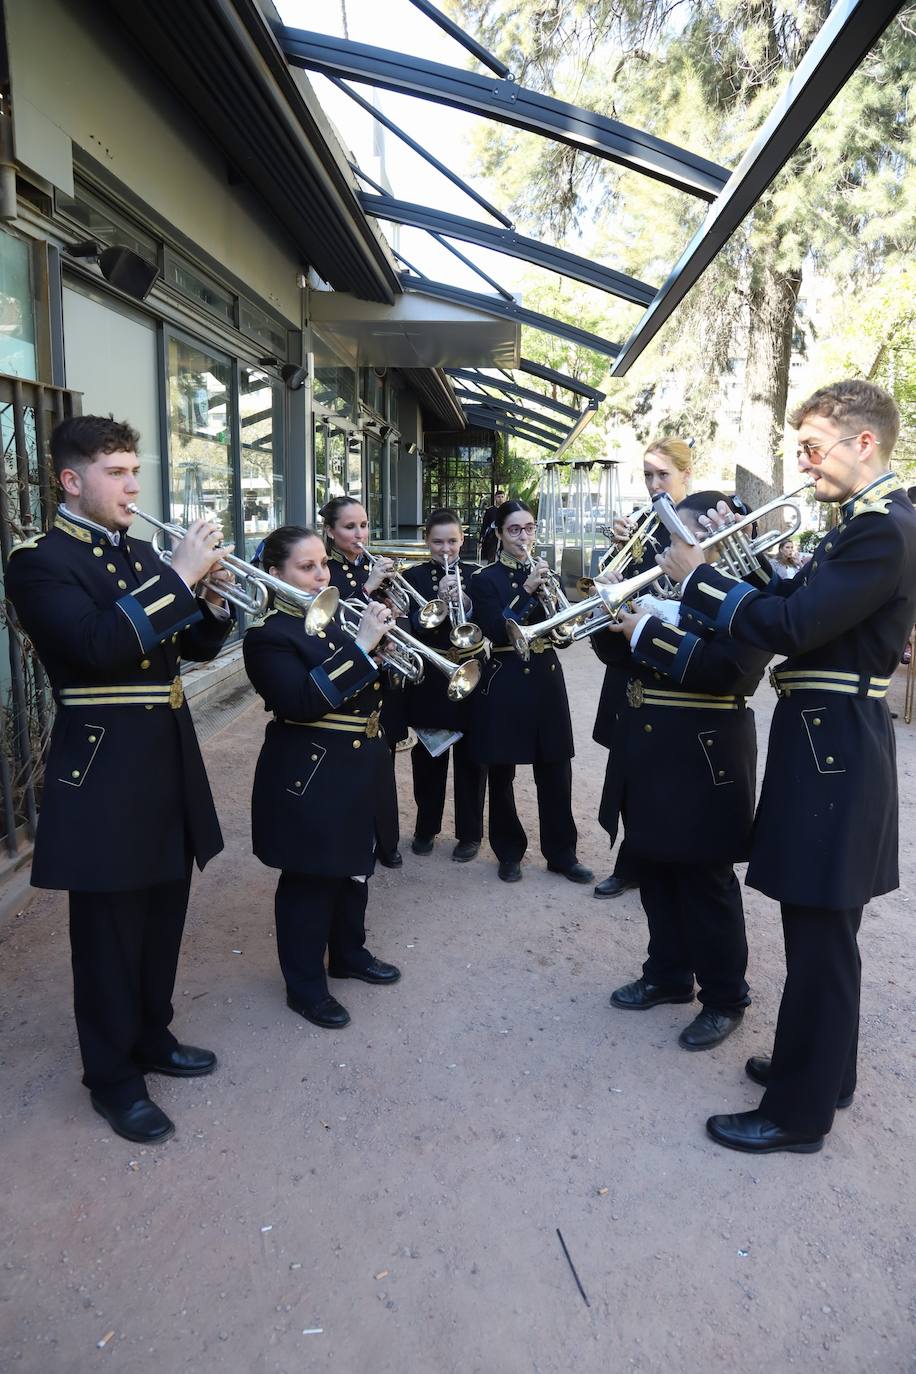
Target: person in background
[(126, 808), (489, 538), (323, 793), (667, 466), (787, 561), (429, 707)]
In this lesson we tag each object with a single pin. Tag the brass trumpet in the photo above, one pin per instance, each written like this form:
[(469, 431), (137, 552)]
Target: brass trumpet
[(740, 559), (616, 560), (400, 593), (320, 607), (465, 634), (409, 656)]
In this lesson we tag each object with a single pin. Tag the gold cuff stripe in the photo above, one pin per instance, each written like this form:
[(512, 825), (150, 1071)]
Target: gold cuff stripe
[(344, 668), (663, 644), (159, 605), (711, 591)]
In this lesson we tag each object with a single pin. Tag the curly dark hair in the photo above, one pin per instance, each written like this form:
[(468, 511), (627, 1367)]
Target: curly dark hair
[(853, 402), (77, 442)]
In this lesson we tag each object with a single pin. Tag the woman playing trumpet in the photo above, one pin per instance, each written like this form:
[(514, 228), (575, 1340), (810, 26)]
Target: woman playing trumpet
[(354, 573), (323, 790), (520, 713), (428, 705), (666, 467)]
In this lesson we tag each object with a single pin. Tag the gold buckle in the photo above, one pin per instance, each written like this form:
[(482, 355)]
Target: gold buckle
[(176, 693), (774, 683), (636, 693), (372, 725)]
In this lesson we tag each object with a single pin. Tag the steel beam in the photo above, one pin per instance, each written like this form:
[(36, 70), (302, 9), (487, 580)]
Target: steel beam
[(507, 241), (487, 420), (459, 35), (502, 417), (518, 412), (560, 379), (510, 104), (852, 28), (495, 305), (466, 374)]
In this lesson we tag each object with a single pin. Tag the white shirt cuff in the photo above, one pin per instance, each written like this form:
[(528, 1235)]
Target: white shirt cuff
[(634, 637)]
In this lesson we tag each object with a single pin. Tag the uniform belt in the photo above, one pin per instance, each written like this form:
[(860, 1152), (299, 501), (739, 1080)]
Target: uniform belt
[(126, 694), (342, 723), (638, 694), (787, 680), (537, 646)]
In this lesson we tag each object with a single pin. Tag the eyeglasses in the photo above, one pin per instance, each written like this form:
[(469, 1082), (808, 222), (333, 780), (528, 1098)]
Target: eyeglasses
[(812, 450), (513, 531)]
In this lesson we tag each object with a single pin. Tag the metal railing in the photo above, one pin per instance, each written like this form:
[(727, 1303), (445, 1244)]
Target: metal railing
[(28, 413)]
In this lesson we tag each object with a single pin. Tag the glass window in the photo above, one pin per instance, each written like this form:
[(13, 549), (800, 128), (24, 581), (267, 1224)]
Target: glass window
[(374, 454), (260, 327), (201, 478), (335, 388), (355, 467), (102, 221), (17, 320), (372, 389), (261, 403), (191, 282)]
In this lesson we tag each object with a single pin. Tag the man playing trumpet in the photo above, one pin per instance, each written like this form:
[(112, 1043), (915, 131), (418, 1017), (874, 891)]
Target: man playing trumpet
[(831, 773)]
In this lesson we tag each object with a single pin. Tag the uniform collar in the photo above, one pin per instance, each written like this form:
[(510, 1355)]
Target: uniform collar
[(80, 528), (873, 495), (337, 557), (287, 607), (509, 561)]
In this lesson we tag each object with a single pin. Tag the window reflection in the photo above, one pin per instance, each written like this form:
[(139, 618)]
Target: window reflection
[(261, 418), (200, 466)]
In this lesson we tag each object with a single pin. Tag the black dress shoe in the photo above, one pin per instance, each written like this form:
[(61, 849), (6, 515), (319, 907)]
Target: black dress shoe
[(392, 859), (613, 886), (753, 1133), (142, 1122), (576, 872), (420, 845), (758, 1069), (709, 1029), (374, 972), (510, 871), (327, 1013), (465, 851), (639, 996), (184, 1061)]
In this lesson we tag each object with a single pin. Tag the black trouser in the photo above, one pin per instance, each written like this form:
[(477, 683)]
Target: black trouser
[(124, 949), (817, 1031), (696, 927), (626, 865), (558, 832), (469, 781), (314, 914)]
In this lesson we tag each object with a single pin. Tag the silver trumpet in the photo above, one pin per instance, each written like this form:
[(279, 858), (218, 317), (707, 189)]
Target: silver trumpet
[(552, 597), (409, 656), (645, 524), (400, 593), (465, 634), (740, 558), (250, 592)]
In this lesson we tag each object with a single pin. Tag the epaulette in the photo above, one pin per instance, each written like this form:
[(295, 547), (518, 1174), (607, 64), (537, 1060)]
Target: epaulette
[(70, 527), (26, 544), (256, 624), (873, 501)]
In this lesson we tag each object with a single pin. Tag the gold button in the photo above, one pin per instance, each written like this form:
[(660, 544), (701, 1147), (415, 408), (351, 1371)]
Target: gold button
[(97, 552), (149, 708), (139, 567), (657, 676), (92, 739), (829, 758), (357, 743), (827, 548), (709, 744), (297, 783), (331, 646), (553, 667), (721, 772), (321, 634), (144, 663), (314, 758), (376, 686), (111, 567), (174, 639), (122, 585), (526, 670), (75, 773), (648, 729), (817, 720)]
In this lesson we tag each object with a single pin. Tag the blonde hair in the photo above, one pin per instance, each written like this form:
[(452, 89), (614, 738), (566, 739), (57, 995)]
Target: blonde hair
[(677, 451)]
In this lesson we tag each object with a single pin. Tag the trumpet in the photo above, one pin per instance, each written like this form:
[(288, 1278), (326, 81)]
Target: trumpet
[(250, 592), (616, 560), (408, 656), (400, 593), (740, 558), (552, 597), (465, 634)]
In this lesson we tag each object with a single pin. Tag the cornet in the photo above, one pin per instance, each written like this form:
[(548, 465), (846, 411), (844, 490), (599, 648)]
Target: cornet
[(400, 593), (320, 607), (465, 634), (740, 559), (409, 656)]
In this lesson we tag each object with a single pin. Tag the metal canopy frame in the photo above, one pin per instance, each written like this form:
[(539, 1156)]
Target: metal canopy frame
[(508, 103), (487, 419), (550, 430), (467, 374)]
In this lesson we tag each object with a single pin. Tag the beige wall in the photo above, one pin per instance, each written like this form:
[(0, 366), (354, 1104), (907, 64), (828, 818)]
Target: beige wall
[(70, 81)]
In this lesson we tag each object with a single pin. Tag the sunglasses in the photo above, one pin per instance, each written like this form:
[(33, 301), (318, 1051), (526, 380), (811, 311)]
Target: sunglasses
[(812, 448)]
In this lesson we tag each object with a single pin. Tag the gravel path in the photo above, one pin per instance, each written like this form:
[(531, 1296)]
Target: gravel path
[(387, 1198)]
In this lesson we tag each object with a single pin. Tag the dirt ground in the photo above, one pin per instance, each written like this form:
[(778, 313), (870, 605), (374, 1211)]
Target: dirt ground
[(387, 1198)]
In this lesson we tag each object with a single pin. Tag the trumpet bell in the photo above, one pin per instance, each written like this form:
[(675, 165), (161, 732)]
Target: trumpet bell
[(322, 610), (433, 614), (518, 639), (466, 636), (463, 680)]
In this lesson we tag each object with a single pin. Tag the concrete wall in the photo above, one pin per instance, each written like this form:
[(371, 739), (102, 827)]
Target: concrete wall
[(75, 77)]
